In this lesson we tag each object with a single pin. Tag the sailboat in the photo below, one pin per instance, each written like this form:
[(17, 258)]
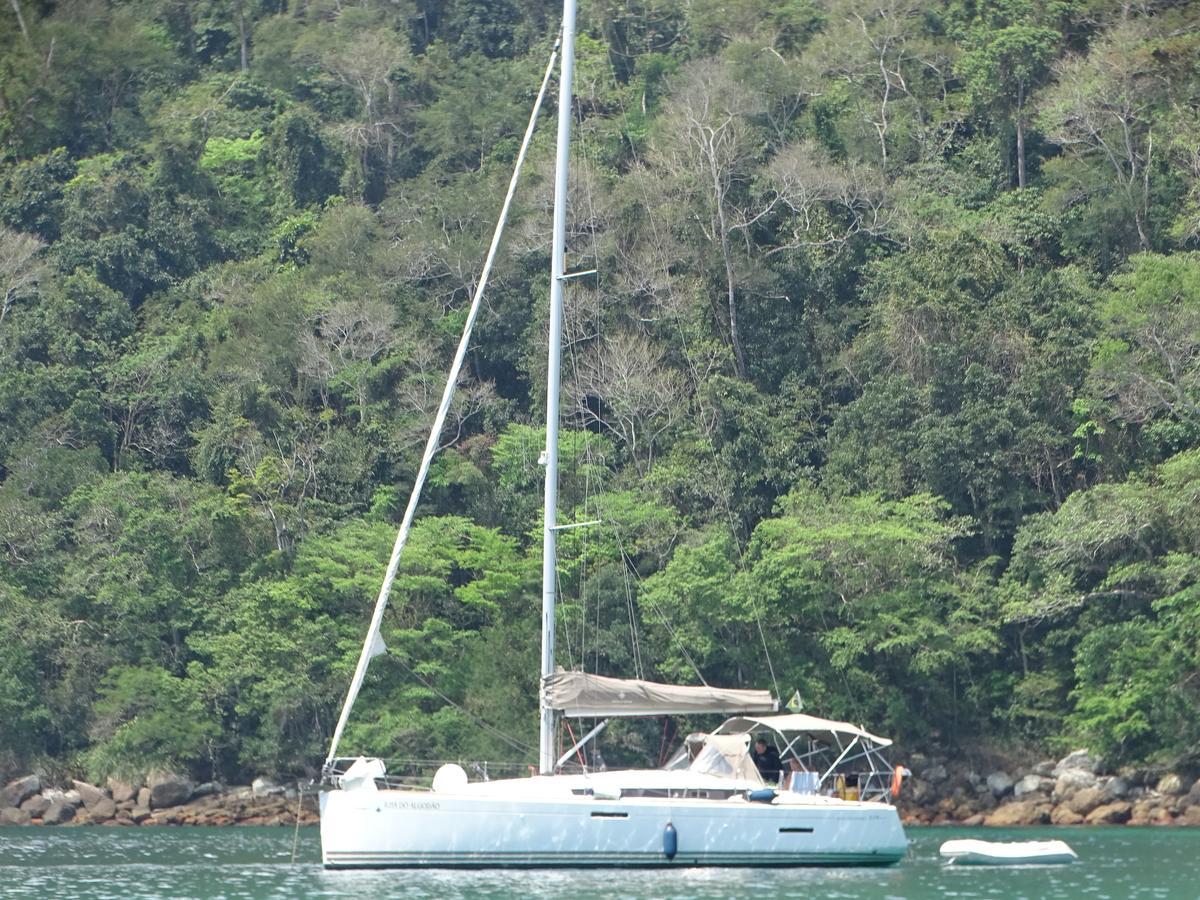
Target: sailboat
[(709, 806)]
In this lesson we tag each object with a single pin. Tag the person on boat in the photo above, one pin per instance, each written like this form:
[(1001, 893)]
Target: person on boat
[(766, 760)]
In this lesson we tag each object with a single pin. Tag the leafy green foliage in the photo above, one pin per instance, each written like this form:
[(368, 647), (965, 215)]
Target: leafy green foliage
[(885, 390), (1116, 569)]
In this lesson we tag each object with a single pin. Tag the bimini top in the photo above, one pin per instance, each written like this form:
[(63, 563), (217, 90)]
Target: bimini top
[(798, 723), (577, 694)]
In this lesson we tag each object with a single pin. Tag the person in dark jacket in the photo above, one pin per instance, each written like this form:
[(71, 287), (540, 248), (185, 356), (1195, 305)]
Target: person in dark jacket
[(766, 760)]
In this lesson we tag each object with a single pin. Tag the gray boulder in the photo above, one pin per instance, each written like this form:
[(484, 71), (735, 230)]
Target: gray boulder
[(17, 792), (207, 789), (267, 787), (10, 815), (1045, 768), (36, 805), (143, 798), (1079, 759), (1194, 794), (999, 783), (1032, 784), (58, 812), (1117, 788), (122, 791), (1172, 785), (103, 809), (1071, 780), (1085, 800), (89, 794), (70, 798), (935, 774), (168, 789)]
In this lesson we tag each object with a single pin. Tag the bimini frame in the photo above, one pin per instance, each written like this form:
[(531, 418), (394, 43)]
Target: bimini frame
[(826, 747)]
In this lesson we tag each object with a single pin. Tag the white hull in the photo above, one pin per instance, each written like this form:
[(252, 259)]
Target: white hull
[(496, 828), (1019, 853)]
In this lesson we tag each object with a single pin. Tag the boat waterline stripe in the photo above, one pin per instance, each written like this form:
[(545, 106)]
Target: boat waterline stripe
[(349, 859)]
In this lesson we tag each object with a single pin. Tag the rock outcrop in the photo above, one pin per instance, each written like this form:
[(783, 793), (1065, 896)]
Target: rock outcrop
[(1110, 813), (36, 806), (11, 815), (58, 813), (1078, 759), (999, 784), (1020, 812), (168, 789), (1075, 790), (121, 791), (89, 794), (19, 790)]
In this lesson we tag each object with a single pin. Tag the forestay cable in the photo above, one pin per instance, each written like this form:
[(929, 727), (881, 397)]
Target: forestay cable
[(373, 645)]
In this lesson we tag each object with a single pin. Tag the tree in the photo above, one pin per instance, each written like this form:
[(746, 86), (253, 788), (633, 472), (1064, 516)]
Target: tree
[(370, 64), (304, 162), (968, 374), (16, 7), (830, 203), (708, 144), (20, 267), (152, 394), (623, 385), (342, 342), (878, 51), (1104, 593), (1100, 109), (1002, 67), (1147, 363)]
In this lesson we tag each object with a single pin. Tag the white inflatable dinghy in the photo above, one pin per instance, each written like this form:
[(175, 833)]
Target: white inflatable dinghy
[(1017, 853)]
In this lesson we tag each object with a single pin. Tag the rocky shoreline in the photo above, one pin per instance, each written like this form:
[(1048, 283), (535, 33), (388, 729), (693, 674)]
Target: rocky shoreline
[(165, 799), (1075, 790)]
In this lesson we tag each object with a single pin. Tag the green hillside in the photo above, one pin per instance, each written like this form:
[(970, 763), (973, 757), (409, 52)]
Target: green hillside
[(887, 390)]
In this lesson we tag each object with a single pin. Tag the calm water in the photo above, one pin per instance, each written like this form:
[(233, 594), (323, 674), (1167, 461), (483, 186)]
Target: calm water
[(256, 862)]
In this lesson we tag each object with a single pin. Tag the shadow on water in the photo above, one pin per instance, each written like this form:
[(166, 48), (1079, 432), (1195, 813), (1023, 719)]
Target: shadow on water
[(92, 863)]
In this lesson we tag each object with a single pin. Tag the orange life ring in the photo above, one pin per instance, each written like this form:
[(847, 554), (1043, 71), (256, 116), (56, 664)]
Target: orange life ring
[(897, 780)]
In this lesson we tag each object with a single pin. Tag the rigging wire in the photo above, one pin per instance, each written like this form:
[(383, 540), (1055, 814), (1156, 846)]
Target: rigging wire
[(489, 728), (665, 619), (373, 642), (590, 176), (591, 470)]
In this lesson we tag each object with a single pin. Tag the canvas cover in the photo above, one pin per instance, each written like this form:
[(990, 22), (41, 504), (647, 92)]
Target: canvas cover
[(578, 694), (726, 756), (826, 730)]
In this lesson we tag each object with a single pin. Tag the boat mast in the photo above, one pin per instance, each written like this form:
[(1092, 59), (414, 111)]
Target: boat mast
[(553, 364)]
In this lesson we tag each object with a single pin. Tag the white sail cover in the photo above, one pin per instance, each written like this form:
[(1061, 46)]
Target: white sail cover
[(578, 694)]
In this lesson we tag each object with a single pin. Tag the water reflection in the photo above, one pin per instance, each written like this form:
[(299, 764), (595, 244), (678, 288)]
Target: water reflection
[(100, 863)]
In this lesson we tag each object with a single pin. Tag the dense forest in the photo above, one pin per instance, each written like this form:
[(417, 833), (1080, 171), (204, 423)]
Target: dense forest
[(886, 390)]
